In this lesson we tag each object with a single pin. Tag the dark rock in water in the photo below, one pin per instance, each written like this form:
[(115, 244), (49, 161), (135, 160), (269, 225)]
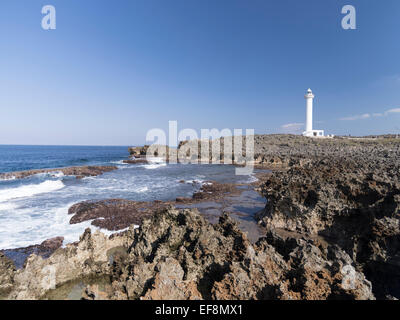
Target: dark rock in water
[(50, 245), (117, 214), (182, 199), (113, 214), (45, 249), (136, 161), (79, 172), (214, 190)]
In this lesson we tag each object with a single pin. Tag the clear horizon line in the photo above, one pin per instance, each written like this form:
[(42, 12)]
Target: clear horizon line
[(64, 145)]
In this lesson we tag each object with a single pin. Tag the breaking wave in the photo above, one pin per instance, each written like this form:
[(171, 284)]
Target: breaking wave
[(155, 163), (142, 189), (30, 190)]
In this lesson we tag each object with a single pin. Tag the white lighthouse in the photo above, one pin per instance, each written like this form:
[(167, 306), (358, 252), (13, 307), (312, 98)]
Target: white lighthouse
[(309, 117)]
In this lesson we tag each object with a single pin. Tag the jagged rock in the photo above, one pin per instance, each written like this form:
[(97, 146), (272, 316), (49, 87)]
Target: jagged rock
[(346, 190), (113, 214), (185, 236), (169, 283), (352, 203), (177, 254), (90, 256), (152, 151), (138, 151), (7, 272), (305, 273)]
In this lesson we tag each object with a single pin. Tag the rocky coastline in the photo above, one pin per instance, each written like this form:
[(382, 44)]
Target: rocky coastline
[(118, 214), (78, 172), (352, 204), (349, 194), (177, 254), (330, 231)]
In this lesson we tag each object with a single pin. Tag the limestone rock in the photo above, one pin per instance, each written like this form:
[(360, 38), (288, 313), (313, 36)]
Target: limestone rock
[(352, 203), (87, 257), (7, 272), (177, 254)]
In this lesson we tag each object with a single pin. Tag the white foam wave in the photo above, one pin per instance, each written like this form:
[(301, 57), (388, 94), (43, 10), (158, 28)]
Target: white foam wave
[(119, 162), (7, 206), (30, 190), (50, 174), (143, 189), (155, 166), (155, 160), (252, 178), (199, 182), (24, 229), (57, 174), (8, 178)]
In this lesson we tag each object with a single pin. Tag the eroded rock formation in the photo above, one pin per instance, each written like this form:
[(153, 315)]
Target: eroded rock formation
[(181, 252), (118, 214), (332, 221), (113, 214), (88, 257), (177, 254), (354, 203)]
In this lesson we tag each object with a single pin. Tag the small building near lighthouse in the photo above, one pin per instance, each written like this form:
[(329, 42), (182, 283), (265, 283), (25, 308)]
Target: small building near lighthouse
[(310, 132)]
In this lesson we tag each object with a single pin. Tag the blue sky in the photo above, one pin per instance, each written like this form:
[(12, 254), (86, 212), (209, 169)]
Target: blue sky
[(112, 70)]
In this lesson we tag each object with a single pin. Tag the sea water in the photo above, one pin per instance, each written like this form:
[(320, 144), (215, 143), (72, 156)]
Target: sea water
[(36, 208)]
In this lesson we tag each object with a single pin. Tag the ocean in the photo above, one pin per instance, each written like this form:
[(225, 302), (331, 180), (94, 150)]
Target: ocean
[(18, 158), (36, 208)]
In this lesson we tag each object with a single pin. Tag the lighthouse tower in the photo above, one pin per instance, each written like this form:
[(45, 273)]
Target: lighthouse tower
[(309, 117)]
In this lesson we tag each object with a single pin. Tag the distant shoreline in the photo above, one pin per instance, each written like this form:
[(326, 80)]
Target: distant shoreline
[(78, 171)]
